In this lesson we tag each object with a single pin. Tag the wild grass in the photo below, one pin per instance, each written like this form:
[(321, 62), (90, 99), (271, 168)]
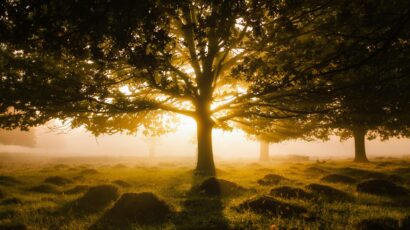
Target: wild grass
[(174, 182)]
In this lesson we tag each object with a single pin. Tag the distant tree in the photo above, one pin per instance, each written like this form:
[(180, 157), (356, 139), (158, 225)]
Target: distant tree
[(152, 143), (275, 131), (152, 146), (115, 66)]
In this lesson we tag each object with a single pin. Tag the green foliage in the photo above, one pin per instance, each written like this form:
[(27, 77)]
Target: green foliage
[(118, 66), (69, 59), (348, 61)]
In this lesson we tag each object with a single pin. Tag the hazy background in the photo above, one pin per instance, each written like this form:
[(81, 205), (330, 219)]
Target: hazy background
[(227, 145)]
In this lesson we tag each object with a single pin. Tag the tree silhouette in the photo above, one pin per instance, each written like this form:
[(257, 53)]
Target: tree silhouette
[(376, 109), (268, 131), (115, 66), (377, 101), (152, 143)]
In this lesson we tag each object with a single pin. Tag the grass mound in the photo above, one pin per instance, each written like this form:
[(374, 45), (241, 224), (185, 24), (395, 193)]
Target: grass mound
[(96, 199), (57, 180), (337, 178), (166, 164), (11, 201), (13, 227), (288, 192), (402, 170), (44, 188), (220, 187), (122, 183), (362, 174), (7, 214), (119, 166), (78, 178), (396, 179), (381, 188), (315, 170), (379, 224), (60, 166), (267, 205), (89, 172), (272, 179), (329, 193), (195, 208), (143, 207), (77, 189), (9, 181), (405, 223), (385, 164)]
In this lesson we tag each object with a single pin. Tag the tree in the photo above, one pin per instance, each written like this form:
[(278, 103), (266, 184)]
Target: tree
[(370, 77), (269, 131), (152, 143), (115, 66), (368, 90), (376, 103), (375, 109)]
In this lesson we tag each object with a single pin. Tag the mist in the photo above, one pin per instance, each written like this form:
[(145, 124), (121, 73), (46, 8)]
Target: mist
[(227, 145), (18, 138)]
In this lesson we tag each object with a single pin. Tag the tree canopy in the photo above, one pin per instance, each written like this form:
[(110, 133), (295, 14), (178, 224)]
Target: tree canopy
[(120, 65), (376, 101)]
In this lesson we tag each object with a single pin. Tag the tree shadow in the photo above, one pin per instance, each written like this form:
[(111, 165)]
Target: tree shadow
[(106, 222), (200, 211)]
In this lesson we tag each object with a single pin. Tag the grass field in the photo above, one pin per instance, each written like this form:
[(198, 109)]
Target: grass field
[(53, 195)]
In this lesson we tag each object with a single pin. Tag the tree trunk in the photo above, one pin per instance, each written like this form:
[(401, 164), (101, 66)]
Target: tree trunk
[(264, 150), (359, 145), (205, 164)]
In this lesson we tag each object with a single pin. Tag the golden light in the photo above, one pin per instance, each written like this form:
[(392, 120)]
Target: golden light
[(186, 125), (125, 90)]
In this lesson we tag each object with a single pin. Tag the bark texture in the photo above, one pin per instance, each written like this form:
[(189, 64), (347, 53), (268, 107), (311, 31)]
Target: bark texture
[(359, 145)]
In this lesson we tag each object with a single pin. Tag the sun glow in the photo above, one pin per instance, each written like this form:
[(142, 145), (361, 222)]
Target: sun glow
[(186, 133), (186, 125), (125, 90)]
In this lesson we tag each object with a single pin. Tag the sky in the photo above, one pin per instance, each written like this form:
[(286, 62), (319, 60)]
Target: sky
[(227, 145)]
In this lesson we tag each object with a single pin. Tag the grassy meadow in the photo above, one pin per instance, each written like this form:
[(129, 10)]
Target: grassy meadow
[(272, 195)]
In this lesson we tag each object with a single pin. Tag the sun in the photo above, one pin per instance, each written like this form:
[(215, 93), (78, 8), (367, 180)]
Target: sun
[(187, 125)]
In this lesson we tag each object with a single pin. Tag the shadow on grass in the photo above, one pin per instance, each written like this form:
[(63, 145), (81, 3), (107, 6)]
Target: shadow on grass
[(200, 211)]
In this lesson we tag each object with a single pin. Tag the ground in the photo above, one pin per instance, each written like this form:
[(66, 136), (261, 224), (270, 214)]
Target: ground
[(48, 194)]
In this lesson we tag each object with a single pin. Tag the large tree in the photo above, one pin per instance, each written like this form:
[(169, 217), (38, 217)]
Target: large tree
[(368, 90), (377, 101), (115, 66), (380, 108)]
